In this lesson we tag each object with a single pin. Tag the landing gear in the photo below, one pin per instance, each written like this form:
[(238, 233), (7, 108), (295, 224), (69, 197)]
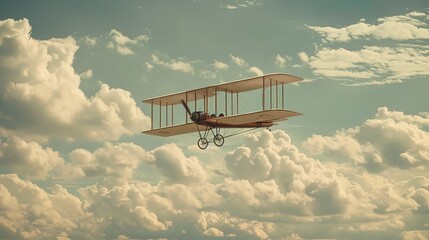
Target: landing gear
[(218, 140), (203, 143)]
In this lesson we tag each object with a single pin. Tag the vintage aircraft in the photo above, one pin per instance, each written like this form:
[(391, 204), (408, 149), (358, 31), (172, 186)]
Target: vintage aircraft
[(205, 123)]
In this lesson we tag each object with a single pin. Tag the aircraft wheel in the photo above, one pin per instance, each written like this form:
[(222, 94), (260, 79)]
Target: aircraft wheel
[(218, 140), (202, 143)]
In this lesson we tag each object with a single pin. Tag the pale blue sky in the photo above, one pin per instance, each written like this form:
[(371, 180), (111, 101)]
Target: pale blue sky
[(353, 166)]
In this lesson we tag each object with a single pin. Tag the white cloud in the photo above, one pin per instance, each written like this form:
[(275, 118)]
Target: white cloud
[(87, 74), (149, 66), (173, 64), (238, 4), (110, 161), (28, 159), (391, 139), (371, 62), (410, 26), (415, 235), (220, 65), (122, 43), (374, 82), (238, 61), (173, 164), (280, 61), (213, 232), (33, 213), (304, 57), (40, 90), (256, 71)]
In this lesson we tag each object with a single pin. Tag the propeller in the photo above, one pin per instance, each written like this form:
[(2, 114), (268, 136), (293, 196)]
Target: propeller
[(186, 107)]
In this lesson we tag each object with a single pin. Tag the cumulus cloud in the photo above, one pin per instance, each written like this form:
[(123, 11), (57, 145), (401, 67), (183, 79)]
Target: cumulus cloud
[(173, 64), (110, 161), (122, 43), (30, 212), (391, 139), (411, 26), (41, 94), (175, 166), (271, 182), (28, 158)]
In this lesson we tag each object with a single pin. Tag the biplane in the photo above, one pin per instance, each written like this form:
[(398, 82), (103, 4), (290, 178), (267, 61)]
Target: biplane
[(223, 99)]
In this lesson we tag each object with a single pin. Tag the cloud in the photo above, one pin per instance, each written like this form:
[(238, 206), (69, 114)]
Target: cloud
[(110, 161), (415, 235), (173, 64), (149, 66), (32, 161), (41, 94), (128, 205), (271, 183), (304, 57), (256, 71), (90, 41), (213, 232), (220, 65), (391, 139), (238, 61), (374, 82), (87, 74), (272, 176), (280, 61), (28, 158), (175, 166), (207, 74), (243, 4), (33, 213), (371, 62), (411, 26), (122, 43)]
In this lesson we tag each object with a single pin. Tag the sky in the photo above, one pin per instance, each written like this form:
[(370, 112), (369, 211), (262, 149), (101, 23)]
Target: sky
[(74, 163)]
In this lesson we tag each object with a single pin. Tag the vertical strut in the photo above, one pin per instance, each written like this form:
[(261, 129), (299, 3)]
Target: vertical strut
[(226, 102), (263, 93), (151, 114), (172, 115), (271, 94), (215, 100), (206, 102), (283, 96), (232, 102), (166, 114), (237, 102), (277, 95), (160, 114)]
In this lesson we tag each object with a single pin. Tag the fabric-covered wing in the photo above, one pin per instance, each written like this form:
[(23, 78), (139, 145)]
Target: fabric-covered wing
[(261, 116), (173, 130)]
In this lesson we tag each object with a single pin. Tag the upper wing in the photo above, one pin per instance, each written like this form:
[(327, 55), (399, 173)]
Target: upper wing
[(173, 130), (273, 115)]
